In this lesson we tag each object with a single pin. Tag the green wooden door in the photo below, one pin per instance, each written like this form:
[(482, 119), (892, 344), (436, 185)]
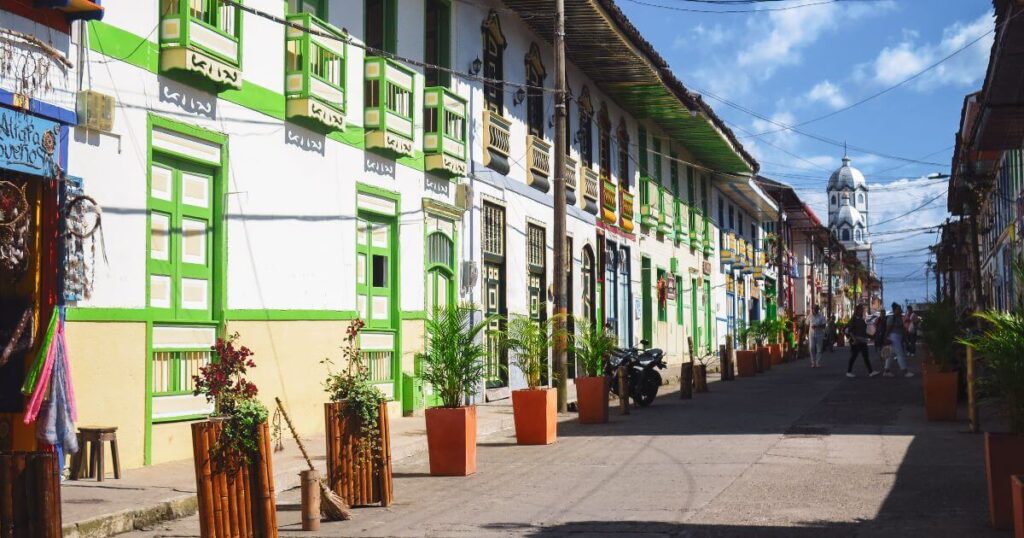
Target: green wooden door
[(694, 315), (709, 316), (647, 323), (375, 271), (180, 263)]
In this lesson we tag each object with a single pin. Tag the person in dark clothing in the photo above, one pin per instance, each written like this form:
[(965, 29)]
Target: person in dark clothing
[(857, 331), (879, 334)]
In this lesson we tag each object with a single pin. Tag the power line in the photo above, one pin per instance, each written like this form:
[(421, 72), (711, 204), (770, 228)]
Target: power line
[(922, 206)]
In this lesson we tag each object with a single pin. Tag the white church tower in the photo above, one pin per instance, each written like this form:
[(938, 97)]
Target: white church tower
[(848, 211)]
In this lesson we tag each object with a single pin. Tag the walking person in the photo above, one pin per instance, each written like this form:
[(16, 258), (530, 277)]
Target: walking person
[(818, 326), (911, 322), (857, 332), (878, 332), (896, 332)]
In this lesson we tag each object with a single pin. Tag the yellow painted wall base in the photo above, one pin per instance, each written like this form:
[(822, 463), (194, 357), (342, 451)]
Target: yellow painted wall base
[(108, 368)]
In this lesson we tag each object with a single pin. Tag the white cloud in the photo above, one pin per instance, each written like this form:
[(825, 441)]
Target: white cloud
[(898, 62), (828, 93), (702, 37)]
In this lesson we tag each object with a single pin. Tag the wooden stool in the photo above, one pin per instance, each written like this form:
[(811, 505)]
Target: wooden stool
[(95, 437)]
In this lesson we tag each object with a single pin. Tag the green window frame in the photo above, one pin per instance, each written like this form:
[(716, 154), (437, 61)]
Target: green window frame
[(656, 156), (536, 261), (437, 41), (641, 137), (317, 8), (380, 25), (647, 326), (680, 310), (440, 290)]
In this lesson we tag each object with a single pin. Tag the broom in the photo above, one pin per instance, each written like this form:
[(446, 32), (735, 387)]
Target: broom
[(332, 505)]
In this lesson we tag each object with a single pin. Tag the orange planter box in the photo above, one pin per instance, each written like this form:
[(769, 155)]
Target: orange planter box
[(765, 355), (940, 392), (451, 440), (776, 353), (592, 399), (536, 416), (1004, 458), (746, 363)]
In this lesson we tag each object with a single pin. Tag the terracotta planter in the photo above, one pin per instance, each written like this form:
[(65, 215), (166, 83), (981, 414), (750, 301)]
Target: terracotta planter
[(940, 395), (451, 440), (30, 495), (776, 353), (1004, 457), (746, 363), (235, 498), (1017, 486), (360, 477), (592, 399), (930, 368), (840, 340), (700, 378), (536, 416), (764, 358), (789, 356)]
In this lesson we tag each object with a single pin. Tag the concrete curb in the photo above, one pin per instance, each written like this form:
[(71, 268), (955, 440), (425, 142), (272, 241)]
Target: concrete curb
[(187, 504)]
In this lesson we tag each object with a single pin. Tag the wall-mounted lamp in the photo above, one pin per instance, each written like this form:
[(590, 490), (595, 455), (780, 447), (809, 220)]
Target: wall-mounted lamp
[(476, 66), (519, 96)]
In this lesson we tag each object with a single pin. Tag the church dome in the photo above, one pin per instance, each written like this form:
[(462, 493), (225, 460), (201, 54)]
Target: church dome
[(847, 178), (847, 214)]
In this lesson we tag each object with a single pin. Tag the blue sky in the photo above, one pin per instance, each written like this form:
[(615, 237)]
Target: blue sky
[(795, 65)]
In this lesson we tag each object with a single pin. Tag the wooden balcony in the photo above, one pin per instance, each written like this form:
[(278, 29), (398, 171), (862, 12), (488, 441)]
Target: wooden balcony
[(314, 80), (728, 254), (696, 229), (497, 142), (709, 248), (626, 210), (538, 157), (666, 224), (609, 202), (571, 180), (749, 256), (200, 38), (389, 104), (444, 132), (591, 190)]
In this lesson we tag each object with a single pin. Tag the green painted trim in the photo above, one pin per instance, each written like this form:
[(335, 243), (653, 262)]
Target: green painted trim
[(78, 313), (414, 314), (289, 315), (183, 418), (147, 434)]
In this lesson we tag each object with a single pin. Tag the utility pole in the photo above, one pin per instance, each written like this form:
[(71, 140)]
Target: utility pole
[(828, 276), (779, 256), (561, 311)]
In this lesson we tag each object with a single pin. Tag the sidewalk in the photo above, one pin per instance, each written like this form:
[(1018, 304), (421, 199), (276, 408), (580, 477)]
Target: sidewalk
[(149, 495)]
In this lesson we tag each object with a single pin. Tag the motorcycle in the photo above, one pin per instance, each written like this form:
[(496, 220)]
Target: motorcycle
[(642, 377)]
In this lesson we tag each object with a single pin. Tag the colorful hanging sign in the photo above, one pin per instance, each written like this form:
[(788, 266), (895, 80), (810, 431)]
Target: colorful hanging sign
[(28, 144)]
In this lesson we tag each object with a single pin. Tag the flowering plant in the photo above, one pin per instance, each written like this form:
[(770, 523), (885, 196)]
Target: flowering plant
[(234, 397)]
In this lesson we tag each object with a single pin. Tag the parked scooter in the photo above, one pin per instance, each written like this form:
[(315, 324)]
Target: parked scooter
[(642, 377)]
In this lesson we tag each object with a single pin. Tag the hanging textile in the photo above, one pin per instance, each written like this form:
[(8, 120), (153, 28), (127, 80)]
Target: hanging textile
[(31, 380), (46, 382)]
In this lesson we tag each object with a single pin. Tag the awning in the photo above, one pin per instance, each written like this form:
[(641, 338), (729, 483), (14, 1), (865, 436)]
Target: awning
[(746, 193), (602, 42), (1001, 125)]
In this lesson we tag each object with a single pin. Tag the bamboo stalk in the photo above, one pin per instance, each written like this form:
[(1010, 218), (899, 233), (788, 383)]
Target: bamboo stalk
[(23, 505), (244, 487), (972, 398), (223, 505), (310, 500), (271, 502), (387, 491), (45, 472), (201, 453)]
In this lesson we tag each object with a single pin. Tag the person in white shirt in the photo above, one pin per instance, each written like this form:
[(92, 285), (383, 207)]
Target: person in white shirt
[(818, 329)]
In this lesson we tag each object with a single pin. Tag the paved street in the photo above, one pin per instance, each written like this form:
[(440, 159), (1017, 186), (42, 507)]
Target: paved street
[(793, 452)]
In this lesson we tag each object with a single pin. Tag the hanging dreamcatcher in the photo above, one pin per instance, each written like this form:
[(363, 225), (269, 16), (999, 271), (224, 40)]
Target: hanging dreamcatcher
[(15, 219), (82, 224)]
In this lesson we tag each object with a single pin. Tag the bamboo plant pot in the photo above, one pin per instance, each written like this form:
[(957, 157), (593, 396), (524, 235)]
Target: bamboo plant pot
[(700, 378), (235, 498), (746, 363), (940, 394), (776, 354), (359, 477), (29, 495), (1018, 505)]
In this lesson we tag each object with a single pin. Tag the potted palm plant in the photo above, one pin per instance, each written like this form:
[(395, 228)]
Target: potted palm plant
[(592, 344), (534, 407), (358, 448), (941, 381), (746, 359), (233, 447), (1001, 346), (453, 364)]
